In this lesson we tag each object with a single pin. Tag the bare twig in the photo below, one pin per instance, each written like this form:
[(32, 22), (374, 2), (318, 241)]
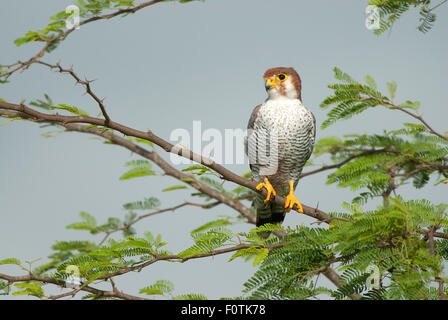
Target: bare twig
[(413, 115), (127, 226), (85, 83), (62, 36)]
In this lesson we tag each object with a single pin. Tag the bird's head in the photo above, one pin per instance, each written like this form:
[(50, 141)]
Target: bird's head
[(283, 83)]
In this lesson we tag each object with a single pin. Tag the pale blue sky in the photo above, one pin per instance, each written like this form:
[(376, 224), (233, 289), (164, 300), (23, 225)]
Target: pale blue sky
[(167, 66)]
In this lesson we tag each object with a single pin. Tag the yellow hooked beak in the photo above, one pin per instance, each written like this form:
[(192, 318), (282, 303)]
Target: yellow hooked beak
[(270, 84)]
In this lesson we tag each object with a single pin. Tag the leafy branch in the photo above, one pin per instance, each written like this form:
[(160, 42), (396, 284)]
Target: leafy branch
[(391, 11), (407, 240)]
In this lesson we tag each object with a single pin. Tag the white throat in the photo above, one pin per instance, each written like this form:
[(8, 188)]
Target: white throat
[(275, 94)]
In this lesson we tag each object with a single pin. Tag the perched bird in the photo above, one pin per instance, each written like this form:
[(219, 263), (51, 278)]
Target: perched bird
[(279, 141)]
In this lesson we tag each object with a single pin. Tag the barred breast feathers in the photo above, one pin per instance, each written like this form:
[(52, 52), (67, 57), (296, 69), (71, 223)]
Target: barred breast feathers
[(294, 126)]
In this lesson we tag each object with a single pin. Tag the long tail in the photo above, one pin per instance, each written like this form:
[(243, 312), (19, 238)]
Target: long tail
[(268, 213)]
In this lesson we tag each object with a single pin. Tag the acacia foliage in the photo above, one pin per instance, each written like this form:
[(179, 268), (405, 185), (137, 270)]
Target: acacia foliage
[(390, 11), (406, 239), (392, 237)]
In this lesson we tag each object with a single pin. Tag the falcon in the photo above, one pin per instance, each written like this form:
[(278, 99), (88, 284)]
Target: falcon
[(280, 139)]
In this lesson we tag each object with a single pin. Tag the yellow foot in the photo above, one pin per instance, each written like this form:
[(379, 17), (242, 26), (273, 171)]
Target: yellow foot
[(291, 200), (268, 186)]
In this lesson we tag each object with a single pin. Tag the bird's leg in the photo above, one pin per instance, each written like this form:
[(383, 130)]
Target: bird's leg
[(270, 189), (291, 199)]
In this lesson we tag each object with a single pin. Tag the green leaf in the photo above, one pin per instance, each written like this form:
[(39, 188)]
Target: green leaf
[(206, 242), (10, 261), (268, 227), (414, 105), (88, 223), (136, 172), (198, 169), (147, 204), (71, 109), (217, 185), (32, 288), (247, 175), (190, 296), (30, 36), (51, 134), (140, 168), (262, 254), (176, 187), (160, 287), (247, 253), (371, 82), (392, 88), (48, 105), (212, 224), (342, 76), (144, 141), (129, 217), (10, 120), (73, 245)]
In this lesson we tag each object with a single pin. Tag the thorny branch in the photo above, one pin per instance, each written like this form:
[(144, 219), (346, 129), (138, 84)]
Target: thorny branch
[(62, 36), (36, 116), (137, 219), (85, 83), (67, 122), (74, 123), (392, 106)]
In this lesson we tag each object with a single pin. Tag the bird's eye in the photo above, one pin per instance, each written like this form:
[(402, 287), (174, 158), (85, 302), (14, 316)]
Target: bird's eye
[(282, 77)]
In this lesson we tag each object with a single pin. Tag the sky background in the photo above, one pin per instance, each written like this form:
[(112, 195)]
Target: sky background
[(167, 66)]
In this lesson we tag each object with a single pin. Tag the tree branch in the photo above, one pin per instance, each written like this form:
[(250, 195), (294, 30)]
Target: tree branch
[(340, 164), (85, 83), (97, 292), (116, 293), (62, 36), (413, 115), (127, 226), (226, 174), (69, 123)]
